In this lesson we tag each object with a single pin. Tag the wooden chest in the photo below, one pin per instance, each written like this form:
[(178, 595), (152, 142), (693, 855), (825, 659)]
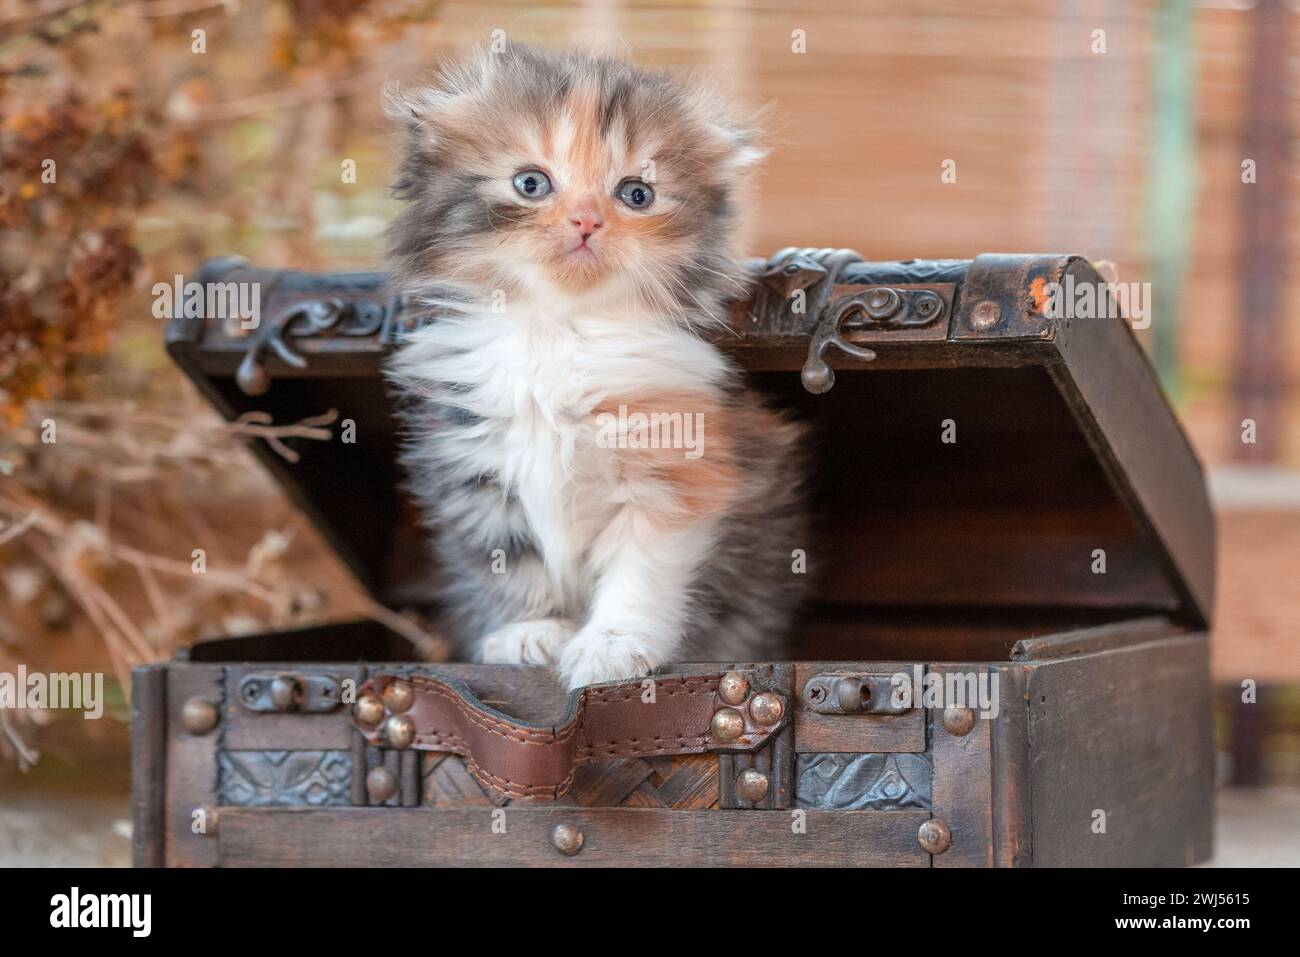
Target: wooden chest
[(1004, 661)]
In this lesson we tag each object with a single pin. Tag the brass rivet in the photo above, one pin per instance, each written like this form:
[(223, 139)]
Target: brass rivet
[(399, 731), (934, 836), (985, 315), (766, 708), (958, 721), (727, 724), (198, 715), (399, 696), (567, 839), (369, 710), (733, 687), (381, 784), (751, 785)]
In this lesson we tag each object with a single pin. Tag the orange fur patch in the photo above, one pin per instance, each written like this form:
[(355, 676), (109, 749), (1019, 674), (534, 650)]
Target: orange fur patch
[(698, 488)]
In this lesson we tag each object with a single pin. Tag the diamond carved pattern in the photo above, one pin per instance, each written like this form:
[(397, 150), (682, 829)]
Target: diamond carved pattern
[(857, 782), (285, 778)]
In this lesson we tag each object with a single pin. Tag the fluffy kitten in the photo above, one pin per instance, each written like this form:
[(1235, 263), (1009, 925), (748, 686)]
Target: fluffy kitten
[(581, 211)]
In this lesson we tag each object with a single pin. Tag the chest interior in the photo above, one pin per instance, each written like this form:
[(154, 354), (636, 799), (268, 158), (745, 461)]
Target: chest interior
[(956, 511)]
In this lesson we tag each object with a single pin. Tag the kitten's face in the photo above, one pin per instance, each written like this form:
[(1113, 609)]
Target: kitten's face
[(539, 172)]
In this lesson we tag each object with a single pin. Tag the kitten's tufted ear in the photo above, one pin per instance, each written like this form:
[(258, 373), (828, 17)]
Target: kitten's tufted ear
[(745, 151), (416, 105), (740, 138), (413, 105)]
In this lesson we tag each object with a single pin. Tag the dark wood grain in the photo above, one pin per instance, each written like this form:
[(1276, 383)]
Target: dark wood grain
[(962, 786), (620, 837), (1009, 755), (191, 768), (1111, 388), (148, 764), (1084, 641), (856, 733), (1125, 731)]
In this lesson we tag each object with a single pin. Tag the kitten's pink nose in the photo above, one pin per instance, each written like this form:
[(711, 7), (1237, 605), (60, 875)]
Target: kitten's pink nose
[(587, 223)]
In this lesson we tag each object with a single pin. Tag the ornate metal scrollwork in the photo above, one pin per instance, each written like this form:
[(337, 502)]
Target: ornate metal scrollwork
[(800, 294), (778, 305), (877, 308), (882, 307), (311, 317)]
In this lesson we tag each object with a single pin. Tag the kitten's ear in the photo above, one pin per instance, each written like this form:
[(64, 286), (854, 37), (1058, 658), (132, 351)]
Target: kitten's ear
[(745, 151), (416, 105), (742, 147), (413, 105)]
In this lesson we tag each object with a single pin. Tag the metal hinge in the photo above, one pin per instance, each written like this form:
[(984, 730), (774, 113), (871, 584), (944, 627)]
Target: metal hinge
[(858, 694), (289, 691)]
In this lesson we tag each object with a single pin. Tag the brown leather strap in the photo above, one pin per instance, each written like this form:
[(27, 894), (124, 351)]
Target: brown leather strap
[(433, 711)]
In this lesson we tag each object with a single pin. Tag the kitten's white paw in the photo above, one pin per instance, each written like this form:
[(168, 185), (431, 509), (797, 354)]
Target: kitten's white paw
[(594, 656), (526, 642)]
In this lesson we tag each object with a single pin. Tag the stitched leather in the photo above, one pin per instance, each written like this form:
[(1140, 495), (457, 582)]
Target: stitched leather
[(519, 759)]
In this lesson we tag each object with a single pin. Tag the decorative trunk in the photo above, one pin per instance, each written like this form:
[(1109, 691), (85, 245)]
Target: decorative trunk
[(1057, 556)]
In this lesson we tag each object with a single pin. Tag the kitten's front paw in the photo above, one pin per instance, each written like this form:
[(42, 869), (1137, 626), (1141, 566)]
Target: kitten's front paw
[(594, 656), (526, 642)]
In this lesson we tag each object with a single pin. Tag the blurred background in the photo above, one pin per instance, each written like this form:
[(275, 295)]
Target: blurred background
[(1157, 135)]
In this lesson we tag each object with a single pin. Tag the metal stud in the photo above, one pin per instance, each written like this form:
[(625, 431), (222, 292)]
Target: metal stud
[(882, 303), (198, 715), (958, 721), (934, 836), (284, 693), (381, 784), (766, 708), (985, 315), (727, 724), (369, 710), (752, 785), (399, 732), (852, 694), (733, 687), (567, 839), (399, 696)]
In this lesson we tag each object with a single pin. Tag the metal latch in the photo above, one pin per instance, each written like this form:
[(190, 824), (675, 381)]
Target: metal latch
[(288, 691), (858, 694)]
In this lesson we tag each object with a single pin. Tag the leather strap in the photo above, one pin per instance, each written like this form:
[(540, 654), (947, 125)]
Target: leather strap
[(432, 711)]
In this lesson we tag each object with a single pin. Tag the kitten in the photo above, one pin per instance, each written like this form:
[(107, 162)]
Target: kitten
[(581, 212)]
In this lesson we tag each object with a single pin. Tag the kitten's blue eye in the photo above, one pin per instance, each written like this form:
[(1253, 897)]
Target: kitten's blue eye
[(532, 184), (635, 193)]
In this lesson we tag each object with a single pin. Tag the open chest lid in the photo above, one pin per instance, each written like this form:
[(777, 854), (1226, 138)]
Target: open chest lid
[(980, 447)]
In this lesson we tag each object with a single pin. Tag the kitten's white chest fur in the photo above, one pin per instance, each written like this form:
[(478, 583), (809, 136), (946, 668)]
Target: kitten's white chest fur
[(533, 375)]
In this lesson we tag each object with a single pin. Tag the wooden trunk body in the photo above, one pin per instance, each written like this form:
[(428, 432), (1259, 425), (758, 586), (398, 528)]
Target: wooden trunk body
[(976, 560)]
